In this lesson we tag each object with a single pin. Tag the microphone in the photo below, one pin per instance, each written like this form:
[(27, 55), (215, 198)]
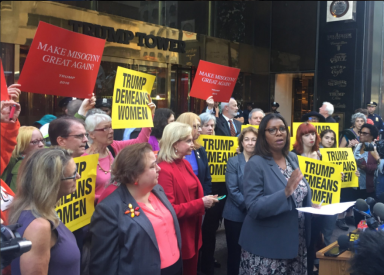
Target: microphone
[(371, 203), (343, 242), (378, 210), (362, 207)]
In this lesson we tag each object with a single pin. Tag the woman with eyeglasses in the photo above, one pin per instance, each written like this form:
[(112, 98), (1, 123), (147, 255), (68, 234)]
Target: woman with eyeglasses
[(273, 188), (99, 128), (350, 137), (28, 140), (45, 176)]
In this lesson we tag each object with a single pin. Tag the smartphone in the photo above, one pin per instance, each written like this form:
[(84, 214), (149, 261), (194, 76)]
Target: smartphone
[(221, 197), (334, 252)]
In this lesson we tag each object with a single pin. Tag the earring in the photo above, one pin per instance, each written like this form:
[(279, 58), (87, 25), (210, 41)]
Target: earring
[(135, 183), (175, 150)]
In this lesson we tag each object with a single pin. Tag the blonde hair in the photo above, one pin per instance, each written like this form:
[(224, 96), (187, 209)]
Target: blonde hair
[(173, 133), (38, 183), (23, 140), (190, 118)]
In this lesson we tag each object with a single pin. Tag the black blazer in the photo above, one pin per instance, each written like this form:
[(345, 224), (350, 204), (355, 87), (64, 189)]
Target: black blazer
[(222, 128), (271, 227), (203, 170), (125, 245)]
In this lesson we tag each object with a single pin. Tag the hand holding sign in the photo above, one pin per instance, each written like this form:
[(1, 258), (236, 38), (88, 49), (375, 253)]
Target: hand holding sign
[(87, 105), (293, 182), (6, 107), (14, 91), (151, 105), (210, 102)]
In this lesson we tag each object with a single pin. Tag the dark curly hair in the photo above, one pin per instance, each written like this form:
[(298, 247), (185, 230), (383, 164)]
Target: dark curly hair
[(372, 129), (160, 121)]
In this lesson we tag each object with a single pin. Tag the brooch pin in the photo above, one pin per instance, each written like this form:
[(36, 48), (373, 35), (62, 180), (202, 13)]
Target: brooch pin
[(132, 212)]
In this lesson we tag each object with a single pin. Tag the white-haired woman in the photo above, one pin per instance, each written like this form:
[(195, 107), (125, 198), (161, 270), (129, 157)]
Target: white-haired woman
[(350, 137), (101, 142), (208, 123), (183, 190)]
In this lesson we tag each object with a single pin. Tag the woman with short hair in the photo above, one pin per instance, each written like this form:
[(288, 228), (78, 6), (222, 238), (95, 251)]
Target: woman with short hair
[(28, 139), (208, 123), (45, 176), (273, 188), (183, 190), (234, 210), (350, 137), (135, 229), (99, 128)]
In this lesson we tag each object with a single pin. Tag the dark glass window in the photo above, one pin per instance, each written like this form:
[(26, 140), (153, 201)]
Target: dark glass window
[(293, 43)]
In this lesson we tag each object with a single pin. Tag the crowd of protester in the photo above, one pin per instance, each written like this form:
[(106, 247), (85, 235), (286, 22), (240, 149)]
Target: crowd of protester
[(161, 176)]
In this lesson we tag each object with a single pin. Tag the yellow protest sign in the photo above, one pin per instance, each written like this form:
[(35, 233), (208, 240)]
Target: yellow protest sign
[(320, 126), (129, 101), (219, 150), (324, 178), (344, 157), (76, 209)]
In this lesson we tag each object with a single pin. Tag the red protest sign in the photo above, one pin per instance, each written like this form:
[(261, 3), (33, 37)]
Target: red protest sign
[(4, 89), (214, 80), (61, 62)]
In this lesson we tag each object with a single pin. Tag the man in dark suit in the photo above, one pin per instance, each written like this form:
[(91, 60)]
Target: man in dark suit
[(226, 125)]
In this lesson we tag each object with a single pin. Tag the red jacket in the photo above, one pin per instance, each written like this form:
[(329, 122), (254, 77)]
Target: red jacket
[(189, 212), (9, 133)]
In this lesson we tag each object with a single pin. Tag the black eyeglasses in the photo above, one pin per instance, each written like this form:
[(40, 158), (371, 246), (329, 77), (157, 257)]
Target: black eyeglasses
[(79, 136), (364, 133), (273, 131), (71, 178)]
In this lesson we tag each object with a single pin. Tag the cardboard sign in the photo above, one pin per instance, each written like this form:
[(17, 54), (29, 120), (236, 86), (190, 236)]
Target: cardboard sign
[(214, 80), (320, 126), (324, 178), (130, 99), (343, 157), (219, 150), (4, 88), (76, 209), (61, 62)]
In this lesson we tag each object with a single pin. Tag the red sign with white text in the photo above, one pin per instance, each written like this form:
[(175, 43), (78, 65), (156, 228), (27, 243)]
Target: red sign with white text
[(4, 89), (214, 80), (61, 62)]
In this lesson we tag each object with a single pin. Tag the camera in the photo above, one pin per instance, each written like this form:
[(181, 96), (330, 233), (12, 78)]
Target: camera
[(379, 147), (12, 244)]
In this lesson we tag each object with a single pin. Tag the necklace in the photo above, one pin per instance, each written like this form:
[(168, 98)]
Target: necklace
[(101, 168)]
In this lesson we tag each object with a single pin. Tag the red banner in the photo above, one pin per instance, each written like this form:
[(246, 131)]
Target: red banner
[(61, 62), (214, 80), (4, 89)]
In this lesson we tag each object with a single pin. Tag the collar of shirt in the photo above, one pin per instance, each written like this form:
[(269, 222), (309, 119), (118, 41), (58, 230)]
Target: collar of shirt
[(227, 119)]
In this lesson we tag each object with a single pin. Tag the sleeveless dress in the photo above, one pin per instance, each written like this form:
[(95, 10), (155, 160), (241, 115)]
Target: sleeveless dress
[(257, 265), (65, 255)]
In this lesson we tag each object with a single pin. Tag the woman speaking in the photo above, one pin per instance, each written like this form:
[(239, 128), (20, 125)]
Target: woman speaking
[(274, 234)]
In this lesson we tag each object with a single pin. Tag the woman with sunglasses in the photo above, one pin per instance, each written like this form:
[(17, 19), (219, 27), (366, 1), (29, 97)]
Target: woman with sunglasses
[(101, 142), (45, 176), (28, 140)]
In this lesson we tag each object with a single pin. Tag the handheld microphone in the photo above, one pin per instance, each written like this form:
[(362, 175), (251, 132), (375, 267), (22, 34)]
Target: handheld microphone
[(378, 210), (362, 207), (371, 203)]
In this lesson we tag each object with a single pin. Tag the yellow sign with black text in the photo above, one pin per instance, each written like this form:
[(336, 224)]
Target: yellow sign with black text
[(219, 150), (320, 126), (324, 178), (130, 99), (343, 157), (76, 209)]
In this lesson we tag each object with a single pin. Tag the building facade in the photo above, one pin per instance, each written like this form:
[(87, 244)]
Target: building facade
[(279, 46)]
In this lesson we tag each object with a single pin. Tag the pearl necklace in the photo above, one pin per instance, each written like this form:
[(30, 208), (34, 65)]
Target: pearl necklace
[(110, 164)]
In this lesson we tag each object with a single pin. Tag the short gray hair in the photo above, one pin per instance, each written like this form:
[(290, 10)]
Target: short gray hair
[(205, 117), (254, 111), (94, 111), (224, 104), (73, 107), (356, 116), (329, 107), (92, 121)]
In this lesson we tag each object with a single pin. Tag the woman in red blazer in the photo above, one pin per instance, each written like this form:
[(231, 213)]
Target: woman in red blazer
[(183, 190)]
